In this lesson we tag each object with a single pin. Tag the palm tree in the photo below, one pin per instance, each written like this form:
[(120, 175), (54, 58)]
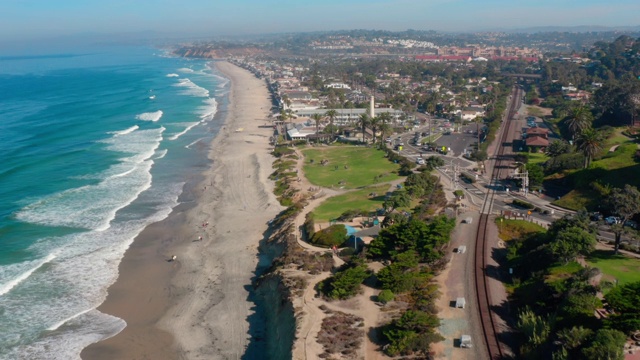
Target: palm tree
[(578, 120), (589, 142), (374, 125), (384, 118), (363, 122), (317, 118), (331, 114)]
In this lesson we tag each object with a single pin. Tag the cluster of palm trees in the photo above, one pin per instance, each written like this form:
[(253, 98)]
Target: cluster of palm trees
[(588, 140), (380, 123)]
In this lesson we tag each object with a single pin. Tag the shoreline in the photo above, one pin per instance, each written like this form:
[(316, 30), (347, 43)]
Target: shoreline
[(199, 305)]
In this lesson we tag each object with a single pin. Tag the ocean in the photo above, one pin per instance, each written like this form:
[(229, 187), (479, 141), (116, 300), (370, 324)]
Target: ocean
[(95, 145)]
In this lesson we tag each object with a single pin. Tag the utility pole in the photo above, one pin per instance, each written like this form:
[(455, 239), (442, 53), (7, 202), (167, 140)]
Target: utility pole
[(524, 176)]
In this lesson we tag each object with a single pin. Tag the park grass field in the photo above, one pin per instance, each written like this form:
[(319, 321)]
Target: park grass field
[(515, 229), (614, 168), (357, 199), (615, 267), (348, 167)]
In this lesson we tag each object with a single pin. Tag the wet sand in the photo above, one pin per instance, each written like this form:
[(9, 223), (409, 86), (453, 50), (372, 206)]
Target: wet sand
[(197, 307)]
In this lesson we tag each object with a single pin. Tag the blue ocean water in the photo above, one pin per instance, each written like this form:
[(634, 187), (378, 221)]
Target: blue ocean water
[(94, 146)]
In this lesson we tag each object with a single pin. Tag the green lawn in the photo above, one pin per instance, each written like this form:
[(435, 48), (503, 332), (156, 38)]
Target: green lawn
[(537, 158), (348, 167), (515, 229), (562, 272), (357, 199), (615, 267)]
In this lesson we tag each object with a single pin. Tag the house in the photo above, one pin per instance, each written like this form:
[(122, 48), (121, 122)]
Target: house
[(470, 113), (537, 138)]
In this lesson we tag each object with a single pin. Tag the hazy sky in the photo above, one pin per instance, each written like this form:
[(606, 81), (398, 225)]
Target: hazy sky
[(44, 18)]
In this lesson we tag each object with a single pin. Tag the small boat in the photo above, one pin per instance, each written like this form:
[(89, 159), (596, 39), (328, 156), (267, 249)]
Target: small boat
[(152, 97)]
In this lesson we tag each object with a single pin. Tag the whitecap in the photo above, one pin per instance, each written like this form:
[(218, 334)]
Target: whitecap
[(94, 206), (10, 284), (150, 116), (185, 70), (192, 89), (173, 75), (189, 127), (160, 154), (193, 143), (125, 131), (209, 110)]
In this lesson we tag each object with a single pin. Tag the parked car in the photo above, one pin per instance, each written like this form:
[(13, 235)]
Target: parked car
[(420, 161), (632, 224), (611, 220), (596, 216)]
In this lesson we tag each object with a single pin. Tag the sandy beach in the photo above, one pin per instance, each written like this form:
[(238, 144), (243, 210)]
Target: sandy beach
[(197, 307)]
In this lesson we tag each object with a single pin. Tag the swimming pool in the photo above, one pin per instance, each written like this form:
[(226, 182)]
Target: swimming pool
[(351, 230)]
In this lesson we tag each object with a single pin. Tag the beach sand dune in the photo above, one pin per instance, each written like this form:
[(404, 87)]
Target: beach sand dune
[(197, 306)]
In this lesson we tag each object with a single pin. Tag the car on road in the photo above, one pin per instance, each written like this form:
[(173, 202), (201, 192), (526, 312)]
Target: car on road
[(632, 224), (420, 161), (611, 220)]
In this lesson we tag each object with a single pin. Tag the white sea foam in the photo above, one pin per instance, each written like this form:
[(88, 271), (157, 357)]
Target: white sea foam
[(189, 127), (125, 131), (185, 70), (193, 143), (150, 116), (31, 267), (208, 111), (95, 206), (160, 154), (191, 89), (60, 323), (173, 75)]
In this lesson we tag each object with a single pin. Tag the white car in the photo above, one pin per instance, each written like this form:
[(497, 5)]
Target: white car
[(420, 161), (612, 220)]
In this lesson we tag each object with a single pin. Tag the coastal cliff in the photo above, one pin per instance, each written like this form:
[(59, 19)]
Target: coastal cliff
[(207, 51)]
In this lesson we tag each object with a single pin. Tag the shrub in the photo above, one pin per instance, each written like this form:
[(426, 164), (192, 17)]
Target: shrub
[(280, 151), (468, 178), (348, 215), (333, 235), (345, 283), (523, 204), (309, 226), (385, 296)]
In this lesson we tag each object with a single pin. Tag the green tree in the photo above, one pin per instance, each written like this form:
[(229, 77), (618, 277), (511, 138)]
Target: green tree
[(397, 200), (413, 332), (331, 114), (573, 338), (571, 242), (589, 142), (625, 301), (346, 282), (579, 120), (364, 122), (607, 345), (625, 203), (385, 120), (535, 174), (557, 148), (535, 328), (385, 296), (317, 118)]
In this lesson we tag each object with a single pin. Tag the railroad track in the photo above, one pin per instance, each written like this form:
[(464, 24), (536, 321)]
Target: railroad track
[(490, 333)]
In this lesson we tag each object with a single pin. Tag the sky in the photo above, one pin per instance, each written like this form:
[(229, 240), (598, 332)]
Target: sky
[(32, 19)]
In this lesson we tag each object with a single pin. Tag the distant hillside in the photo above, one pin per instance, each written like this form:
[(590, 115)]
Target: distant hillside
[(574, 29)]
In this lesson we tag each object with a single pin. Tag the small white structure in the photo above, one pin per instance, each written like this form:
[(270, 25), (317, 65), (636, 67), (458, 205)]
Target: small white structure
[(462, 249), (468, 220), (465, 341), (460, 303)]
